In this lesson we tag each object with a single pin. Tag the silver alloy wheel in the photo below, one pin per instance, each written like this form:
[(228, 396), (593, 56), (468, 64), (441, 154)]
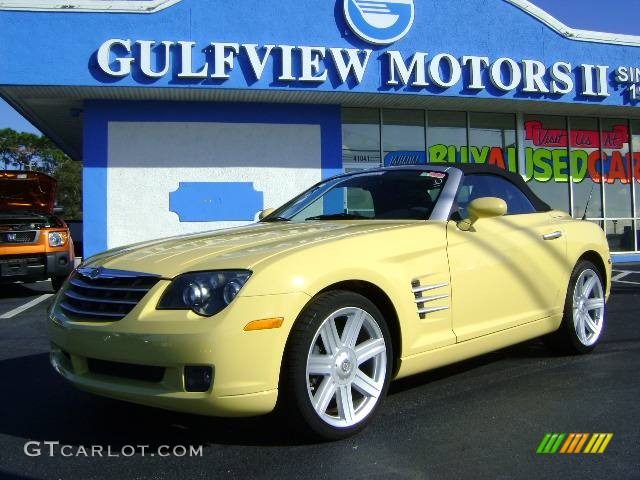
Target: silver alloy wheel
[(346, 367), (588, 307)]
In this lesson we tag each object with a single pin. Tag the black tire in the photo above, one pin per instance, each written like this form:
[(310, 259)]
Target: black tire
[(566, 340), (296, 388), (57, 282)]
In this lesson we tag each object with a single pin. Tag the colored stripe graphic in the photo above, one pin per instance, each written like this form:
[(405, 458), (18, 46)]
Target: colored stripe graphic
[(567, 443), (574, 442), (598, 443), (581, 443), (543, 443), (550, 443)]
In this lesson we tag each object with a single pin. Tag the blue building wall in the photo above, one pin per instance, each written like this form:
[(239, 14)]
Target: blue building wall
[(494, 28), (61, 49), (98, 115)]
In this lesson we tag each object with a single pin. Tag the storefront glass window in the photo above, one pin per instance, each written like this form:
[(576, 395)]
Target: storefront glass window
[(492, 140), (586, 167), (447, 136), (360, 138), (620, 235), (547, 168), (403, 137), (617, 171), (566, 161)]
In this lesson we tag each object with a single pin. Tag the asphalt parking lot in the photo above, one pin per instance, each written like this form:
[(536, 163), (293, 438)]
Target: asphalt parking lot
[(482, 418)]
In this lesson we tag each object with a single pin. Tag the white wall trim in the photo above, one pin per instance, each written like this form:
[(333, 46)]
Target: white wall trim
[(113, 6), (572, 33)]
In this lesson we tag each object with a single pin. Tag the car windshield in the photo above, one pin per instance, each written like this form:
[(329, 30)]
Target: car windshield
[(375, 195)]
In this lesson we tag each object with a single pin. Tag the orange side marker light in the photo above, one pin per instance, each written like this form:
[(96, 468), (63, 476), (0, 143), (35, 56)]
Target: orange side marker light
[(265, 324)]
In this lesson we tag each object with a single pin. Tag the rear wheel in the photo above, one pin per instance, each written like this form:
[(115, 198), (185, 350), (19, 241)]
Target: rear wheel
[(584, 312), (338, 365)]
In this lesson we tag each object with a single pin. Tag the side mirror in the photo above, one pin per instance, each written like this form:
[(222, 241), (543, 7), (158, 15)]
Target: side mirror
[(485, 207), (265, 213)]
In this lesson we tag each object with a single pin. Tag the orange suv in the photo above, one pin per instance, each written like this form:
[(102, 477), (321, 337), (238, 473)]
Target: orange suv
[(34, 243)]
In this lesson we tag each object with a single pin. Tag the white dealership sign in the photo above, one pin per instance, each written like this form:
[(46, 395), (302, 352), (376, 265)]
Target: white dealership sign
[(630, 76), (118, 58)]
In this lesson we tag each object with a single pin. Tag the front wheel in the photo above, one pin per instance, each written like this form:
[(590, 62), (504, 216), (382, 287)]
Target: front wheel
[(57, 282), (584, 312), (338, 365)]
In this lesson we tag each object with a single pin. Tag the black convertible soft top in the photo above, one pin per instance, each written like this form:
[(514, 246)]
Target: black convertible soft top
[(516, 179)]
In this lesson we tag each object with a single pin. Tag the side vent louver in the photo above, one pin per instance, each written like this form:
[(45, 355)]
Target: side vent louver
[(425, 294)]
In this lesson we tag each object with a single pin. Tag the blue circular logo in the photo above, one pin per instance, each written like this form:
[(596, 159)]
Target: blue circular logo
[(380, 22)]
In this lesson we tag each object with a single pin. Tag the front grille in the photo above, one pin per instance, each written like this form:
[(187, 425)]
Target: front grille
[(10, 238), (105, 295), (130, 371)]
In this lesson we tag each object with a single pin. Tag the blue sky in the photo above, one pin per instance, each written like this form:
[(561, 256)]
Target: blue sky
[(616, 16), (9, 118)]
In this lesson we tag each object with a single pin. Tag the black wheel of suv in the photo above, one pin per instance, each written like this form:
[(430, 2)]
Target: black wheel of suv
[(337, 365), (584, 312), (57, 282)]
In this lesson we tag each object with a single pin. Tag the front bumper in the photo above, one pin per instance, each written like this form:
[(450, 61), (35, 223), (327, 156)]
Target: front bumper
[(33, 267), (246, 365)]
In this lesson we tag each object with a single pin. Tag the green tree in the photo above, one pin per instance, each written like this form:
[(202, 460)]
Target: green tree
[(27, 151), (69, 176), (21, 150)]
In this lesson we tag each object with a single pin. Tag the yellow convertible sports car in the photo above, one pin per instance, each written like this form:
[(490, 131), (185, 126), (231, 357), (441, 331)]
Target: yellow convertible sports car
[(363, 278)]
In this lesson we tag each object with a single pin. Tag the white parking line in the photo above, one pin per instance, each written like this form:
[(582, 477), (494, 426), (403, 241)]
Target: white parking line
[(26, 306), (620, 275)]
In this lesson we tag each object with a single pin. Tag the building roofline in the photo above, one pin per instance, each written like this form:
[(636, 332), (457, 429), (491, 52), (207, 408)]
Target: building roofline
[(41, 125), (152, 6), (107, 6), (573, 33)]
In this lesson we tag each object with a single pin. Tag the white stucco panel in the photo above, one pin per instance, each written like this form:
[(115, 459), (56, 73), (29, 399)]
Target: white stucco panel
[(148, 160)]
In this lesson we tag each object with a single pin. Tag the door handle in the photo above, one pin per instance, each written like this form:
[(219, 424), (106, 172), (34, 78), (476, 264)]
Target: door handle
[(552, 236)]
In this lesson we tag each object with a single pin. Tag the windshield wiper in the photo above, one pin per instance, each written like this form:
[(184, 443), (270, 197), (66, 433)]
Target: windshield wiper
[(337, 216), (275, 219)]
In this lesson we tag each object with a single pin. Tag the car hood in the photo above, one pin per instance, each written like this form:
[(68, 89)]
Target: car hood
[(27, 192), (235, 248)]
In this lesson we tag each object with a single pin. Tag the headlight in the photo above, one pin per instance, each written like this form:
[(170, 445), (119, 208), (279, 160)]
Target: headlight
[(57, 239), (206, 293)]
